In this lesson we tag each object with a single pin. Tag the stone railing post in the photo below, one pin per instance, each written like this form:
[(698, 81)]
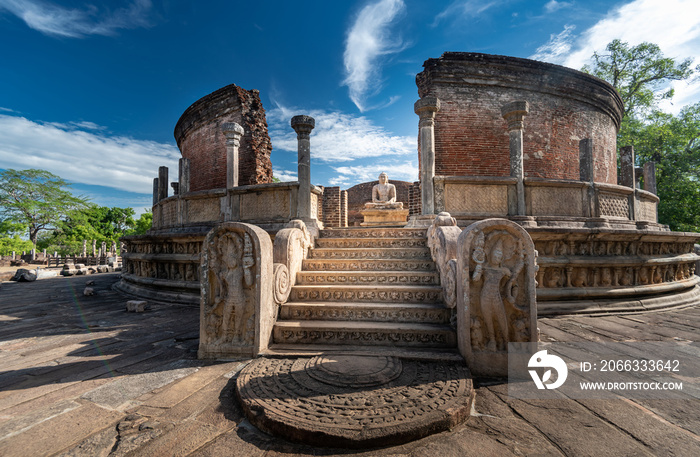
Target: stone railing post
[(184, 176), (155, 191), (162, 183), (303, 125), (650, 177), (233, 133), (426, 108), (514, 113), (627, 176)]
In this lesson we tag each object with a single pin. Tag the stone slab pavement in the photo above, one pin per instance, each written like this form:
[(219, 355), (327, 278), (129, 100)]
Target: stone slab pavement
[(80, 376)]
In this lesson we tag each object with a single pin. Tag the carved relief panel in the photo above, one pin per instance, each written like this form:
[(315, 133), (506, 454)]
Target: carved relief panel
[(236, 311), (496, 304)]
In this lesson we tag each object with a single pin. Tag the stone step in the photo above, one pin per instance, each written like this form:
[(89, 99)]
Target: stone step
[(410, 353), (374, 232), (371, 253), (368, 265), (384, 278), (345, 243), (364, 334), (377, 312), (365, 294)]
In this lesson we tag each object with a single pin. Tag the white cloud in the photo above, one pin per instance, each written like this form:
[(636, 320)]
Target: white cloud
[(88, 157), (464, 9), (356, 174), (557, 47), (368, 39), (673, 25), (55, 20), (338, 137), (554, 6), (284, 175)]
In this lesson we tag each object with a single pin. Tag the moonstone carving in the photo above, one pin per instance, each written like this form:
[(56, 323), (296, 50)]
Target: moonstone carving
[(237, 311), (496, 302)]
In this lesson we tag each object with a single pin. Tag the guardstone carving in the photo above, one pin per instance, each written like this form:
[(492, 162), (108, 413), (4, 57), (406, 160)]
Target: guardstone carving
[(496, 301), (291, 247), (442, 241), (237, 311)]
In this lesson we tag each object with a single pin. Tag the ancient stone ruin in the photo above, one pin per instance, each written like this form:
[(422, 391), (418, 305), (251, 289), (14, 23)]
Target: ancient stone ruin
[(519, 213)]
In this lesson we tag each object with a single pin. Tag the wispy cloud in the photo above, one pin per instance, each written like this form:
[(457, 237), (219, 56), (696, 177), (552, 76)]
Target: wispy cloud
[(557, 47), (59, 21), (369, 38), (84, 156), (284, 175), (669, 24), (553, 6), (338, 137), (464, 9), (356, 174)]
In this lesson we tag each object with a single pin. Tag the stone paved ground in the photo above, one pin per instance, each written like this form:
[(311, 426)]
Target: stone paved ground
[(80, 376)]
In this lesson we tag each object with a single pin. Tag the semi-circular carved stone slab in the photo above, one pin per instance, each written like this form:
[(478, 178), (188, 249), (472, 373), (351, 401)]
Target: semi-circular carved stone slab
[(354, 401)]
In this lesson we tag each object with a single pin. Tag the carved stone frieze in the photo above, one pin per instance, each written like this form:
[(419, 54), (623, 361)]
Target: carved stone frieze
[(600, 248), (368, 279), (375, 233), (369, 265), (423, 315), (371, 254), (371, 243), (381, 295), (369, 337)]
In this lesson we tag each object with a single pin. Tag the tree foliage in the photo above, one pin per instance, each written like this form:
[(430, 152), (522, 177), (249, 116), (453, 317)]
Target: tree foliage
[(37, 199), (641, 75)]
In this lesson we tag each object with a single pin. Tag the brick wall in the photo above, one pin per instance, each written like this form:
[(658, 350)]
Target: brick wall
[(414, 199), (200, 139), (471, 136), (331, 207)]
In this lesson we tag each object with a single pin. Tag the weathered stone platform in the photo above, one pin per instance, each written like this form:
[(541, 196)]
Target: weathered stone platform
[(353, 401), (80, 376)]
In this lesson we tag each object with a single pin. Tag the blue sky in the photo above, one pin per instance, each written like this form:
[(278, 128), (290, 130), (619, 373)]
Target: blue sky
[(91, 90)]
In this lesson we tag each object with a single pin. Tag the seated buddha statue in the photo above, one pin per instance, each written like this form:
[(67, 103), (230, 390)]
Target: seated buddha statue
[(384, 195)]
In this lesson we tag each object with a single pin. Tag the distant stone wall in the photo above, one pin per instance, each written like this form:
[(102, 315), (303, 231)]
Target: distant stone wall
[(362, 193), (566, 106), (200, 139)]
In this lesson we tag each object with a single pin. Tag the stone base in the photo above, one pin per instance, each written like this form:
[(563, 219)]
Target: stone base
[(351, 401), (384, 217)]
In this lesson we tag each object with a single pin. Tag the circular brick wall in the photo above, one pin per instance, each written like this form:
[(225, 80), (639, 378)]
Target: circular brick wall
[(566, 106), (200, 139)]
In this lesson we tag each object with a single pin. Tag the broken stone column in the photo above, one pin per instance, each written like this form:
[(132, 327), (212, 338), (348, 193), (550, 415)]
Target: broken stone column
[(84, 252), (94, 248), (650, 177), (184, 176), (233, 133), (155, 191), (514, 113), (344, 208), (303, 125), (176, 187), (162, 183), (627, 166), (426, 108)]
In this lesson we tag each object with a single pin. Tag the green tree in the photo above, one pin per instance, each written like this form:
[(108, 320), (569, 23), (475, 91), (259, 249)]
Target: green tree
[(143, 223), (641, 75), (10, 239), (36, 198)]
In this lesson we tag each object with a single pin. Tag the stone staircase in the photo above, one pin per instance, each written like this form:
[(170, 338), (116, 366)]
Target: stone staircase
[(366, 288)]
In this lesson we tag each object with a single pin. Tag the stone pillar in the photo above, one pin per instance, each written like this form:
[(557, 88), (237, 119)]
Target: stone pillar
[(84, 253), (184, 176), (627, 166), (514, 113), (585, 155), (426, 108), (303, 125), (33, 253), (344, 208), (44, 252), (162, 183), (233, 134), (14, 255), (94, 248), (155, 191), (650, 177), (176, 187)]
